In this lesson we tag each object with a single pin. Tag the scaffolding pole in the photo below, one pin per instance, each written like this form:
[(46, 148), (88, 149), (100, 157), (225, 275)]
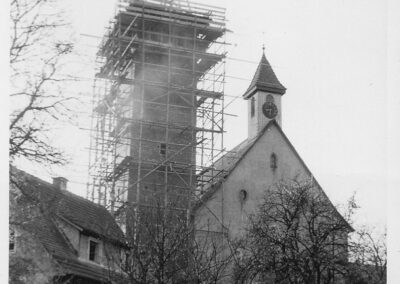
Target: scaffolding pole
[(157, 121)]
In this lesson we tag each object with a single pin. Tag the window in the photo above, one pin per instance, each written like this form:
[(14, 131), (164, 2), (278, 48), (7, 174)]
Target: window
[(243, 195), (93, 250), (269, 99), (273, 161), (11, 238), (253, 106), (163, 149)]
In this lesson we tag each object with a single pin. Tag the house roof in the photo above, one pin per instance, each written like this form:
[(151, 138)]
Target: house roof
[(54, 204), (91, 218), (47, 233), (239, 152), (45, 230), (264, 80), (88, 270)]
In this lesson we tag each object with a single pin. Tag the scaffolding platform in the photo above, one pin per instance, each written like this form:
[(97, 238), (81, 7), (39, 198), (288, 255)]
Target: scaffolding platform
[(158, 114)]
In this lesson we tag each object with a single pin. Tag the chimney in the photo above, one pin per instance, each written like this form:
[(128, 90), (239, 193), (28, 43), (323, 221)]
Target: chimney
[(60, 183)]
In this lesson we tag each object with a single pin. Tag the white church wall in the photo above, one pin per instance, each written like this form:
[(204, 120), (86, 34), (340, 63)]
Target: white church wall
[(254, 175)]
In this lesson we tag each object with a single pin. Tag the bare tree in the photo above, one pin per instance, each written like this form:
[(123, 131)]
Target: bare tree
[(297, 236), (163, 248), (368, 257), (210, 256), (158, 238), (38, 48)]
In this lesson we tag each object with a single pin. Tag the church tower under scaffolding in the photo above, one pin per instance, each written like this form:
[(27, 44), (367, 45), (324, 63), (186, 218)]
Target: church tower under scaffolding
[(158, 114)]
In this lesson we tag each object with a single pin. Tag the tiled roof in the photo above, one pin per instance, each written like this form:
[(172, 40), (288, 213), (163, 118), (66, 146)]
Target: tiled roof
[(46, 232), (225, 165), (87, 270), (264, 80), (51, 203), (92, 218), (222, 166)]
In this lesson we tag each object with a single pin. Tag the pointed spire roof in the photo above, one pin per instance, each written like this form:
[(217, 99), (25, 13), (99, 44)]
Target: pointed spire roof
[(264, 80)]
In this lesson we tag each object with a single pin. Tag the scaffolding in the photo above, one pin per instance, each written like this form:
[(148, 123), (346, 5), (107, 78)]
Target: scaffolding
[(158, 116)]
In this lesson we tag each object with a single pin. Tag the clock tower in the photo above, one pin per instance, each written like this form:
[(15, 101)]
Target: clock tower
[(264, 98)]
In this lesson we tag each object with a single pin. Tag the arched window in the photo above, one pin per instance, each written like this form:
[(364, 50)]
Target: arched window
[(273, 161), (243, 195), (269, 99), (252, 106)]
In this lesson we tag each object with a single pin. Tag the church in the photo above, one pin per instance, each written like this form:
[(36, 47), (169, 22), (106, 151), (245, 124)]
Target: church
[(265, 158)]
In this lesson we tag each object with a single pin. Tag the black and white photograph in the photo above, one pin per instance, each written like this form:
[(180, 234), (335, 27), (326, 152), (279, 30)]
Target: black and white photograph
[(200, 141)]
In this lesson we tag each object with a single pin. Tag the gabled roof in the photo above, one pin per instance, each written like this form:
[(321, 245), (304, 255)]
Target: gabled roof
[(48, 234), (226, 164), (46, 231), (264, 80), (43, 205), (242, 149), (56, 244), (91, 218)]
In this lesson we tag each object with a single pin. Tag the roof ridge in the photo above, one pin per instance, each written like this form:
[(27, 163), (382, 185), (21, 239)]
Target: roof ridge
[(26, 174), (63, 192), (92, 217)]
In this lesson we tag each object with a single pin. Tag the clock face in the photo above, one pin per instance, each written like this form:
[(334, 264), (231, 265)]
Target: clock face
[(270, 110)]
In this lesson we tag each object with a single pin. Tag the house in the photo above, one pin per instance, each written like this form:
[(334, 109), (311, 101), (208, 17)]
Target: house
[(245, 174), (59, 237)]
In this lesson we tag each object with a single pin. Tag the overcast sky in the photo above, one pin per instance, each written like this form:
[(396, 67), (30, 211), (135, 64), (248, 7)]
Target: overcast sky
[(331, 57), (338, 60)]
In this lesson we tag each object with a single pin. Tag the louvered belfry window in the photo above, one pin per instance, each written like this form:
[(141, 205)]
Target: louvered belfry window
[(253, 106), (269, 98)]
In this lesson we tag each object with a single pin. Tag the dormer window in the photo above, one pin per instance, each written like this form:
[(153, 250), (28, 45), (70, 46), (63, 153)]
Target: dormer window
[(252, 106), (93, 251), (273, 161)]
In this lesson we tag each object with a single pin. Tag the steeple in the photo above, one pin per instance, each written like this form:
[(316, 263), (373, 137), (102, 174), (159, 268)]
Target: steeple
[(264, 98), (264, 80)]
